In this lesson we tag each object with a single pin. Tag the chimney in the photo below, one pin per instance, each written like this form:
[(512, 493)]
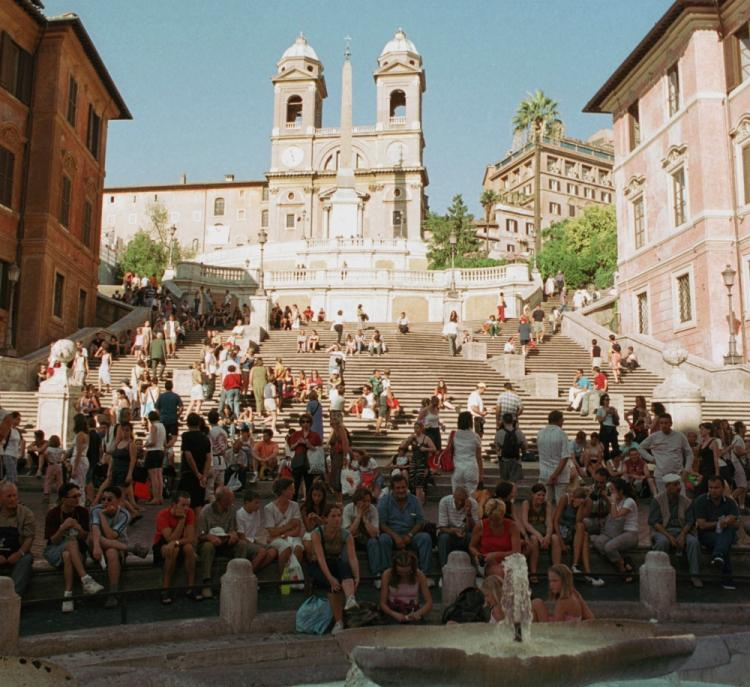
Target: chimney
[(229, 177), (183, 178)]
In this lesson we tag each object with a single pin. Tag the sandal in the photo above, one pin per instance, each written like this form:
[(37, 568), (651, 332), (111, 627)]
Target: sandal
[(166, 598)]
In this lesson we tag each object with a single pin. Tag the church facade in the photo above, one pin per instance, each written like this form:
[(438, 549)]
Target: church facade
[(380, 164)]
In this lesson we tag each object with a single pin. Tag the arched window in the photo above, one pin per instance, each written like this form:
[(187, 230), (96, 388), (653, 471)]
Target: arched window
[(294, 110), (397, 106), (196, 245), (332, 161), (218, 206)]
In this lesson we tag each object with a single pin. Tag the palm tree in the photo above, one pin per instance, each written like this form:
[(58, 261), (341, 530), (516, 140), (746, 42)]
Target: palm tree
[(537, 116), (487, 201)]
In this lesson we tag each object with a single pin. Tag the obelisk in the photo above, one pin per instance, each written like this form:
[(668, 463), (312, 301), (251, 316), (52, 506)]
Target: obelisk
[(344, 201)]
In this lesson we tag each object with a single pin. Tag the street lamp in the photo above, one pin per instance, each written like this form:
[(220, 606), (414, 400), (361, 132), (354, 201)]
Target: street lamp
[(172, 232), (732, 357), (262, 238), (453, 240), (14, 274)]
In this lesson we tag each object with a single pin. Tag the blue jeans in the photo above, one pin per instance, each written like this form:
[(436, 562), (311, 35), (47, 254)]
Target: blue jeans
[(20, 573), (421, 543), (720, 544), (372, 546), (448, 542)]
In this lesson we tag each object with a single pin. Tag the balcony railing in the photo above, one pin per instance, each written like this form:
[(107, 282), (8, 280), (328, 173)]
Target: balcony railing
[(355, 243), (198, 272), (397, 121), (292, 125)]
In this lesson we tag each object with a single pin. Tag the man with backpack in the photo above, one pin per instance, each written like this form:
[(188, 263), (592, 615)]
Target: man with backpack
[(510, 444)]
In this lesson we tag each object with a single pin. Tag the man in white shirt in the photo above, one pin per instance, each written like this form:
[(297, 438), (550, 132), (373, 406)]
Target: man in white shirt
[(668, 449), (336, 398), (554, 455), (170, 335), (457, 515), (475, 405), (250, 528)]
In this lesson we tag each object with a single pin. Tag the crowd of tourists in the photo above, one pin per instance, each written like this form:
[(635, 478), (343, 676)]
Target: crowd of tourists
[(331, 499)]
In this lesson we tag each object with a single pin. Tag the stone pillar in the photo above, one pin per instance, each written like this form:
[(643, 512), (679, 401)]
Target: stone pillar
[(57, 407), (239, 595), (682, 399), (458, 574), (10, 612), (658, 584), (260, 315)]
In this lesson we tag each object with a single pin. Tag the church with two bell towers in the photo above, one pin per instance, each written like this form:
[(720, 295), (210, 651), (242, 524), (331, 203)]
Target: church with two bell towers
[(348, 181)]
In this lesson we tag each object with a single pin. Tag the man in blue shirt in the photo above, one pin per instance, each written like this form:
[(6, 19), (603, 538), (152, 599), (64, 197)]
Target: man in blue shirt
[(169, 405), (716, 520), (580, 388), (401, 521)]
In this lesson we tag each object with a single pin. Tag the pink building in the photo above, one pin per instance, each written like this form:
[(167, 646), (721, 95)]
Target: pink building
[(681, 109)]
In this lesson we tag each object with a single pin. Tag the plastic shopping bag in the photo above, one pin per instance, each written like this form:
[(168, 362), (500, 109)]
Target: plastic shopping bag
[(314, 616)]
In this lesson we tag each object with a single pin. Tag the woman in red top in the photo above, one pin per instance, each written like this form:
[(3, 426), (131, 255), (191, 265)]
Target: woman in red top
[(300, 442), (494, 538)]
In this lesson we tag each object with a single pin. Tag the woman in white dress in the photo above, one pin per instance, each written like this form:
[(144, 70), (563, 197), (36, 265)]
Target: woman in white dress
[(196, 390), (105, 378)]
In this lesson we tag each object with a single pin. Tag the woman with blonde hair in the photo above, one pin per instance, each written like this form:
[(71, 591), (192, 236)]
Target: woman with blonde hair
[(494, 538), (569, 604)]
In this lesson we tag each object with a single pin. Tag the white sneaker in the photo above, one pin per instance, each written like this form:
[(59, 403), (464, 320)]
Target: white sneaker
[(440, 583), (67, 604), (594, 581), (575, 570), (351, 602), (338, 627), (376, 584), (90, 585)]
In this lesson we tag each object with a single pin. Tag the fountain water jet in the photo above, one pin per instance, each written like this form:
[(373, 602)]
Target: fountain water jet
[(516, 599)]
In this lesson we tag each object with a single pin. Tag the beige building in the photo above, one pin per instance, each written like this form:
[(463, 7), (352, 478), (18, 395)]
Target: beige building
[(573, 174), (294, 204)]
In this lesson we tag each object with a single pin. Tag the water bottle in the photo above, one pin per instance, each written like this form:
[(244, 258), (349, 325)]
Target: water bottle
[(286, 589)]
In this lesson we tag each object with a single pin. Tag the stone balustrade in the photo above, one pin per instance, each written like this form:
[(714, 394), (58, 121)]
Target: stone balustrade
[(217, 274), (355, 243)]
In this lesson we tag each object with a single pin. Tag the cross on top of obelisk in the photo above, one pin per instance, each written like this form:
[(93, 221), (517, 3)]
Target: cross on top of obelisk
[(348, 48)]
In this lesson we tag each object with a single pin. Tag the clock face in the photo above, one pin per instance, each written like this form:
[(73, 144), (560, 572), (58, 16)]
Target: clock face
[(396, 153), (292, 156)]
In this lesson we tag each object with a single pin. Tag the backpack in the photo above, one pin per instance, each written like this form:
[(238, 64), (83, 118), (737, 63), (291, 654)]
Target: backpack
[(467, 608), (511, 447)]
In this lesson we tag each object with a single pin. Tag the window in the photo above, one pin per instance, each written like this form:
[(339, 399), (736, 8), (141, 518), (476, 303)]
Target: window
[(132, 218), (264, 219), (15, 69), (72, 101), (684, 299), (639, 228), (588, 193), (529, 228), (511, 248), (88, 213), (264, 193), (240, 214), (81, 309), (737, 57), (65, 193), (555, 209), (397, 104), (93, 132), (4, 285), (554, 185), (290, 220), (195, 244), (174, 216), (7, 163), (634, 123), (745, 173), (641, 301), (527, 189), (552, 165), (218, 207), (294, 112), (571, 210), (606, 197), (573, 189), (57, 298), (673, 88), (570, 169), (511, 225), (679, 201)]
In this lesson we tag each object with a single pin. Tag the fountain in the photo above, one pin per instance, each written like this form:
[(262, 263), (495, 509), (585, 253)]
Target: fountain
[(476, 655)]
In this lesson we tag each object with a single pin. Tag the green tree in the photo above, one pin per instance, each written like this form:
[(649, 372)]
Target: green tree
[(487, 200), (157, 213), (584, 248), (144, 255)]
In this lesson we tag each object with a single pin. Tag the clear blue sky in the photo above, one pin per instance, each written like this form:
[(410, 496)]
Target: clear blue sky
[(196, 75)]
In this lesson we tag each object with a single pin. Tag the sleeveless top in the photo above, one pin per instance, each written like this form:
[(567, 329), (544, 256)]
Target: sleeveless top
[(492, 542), (706, 455), (333, 549), (538, 519), (404, 598), (121, 455), (568, 517)]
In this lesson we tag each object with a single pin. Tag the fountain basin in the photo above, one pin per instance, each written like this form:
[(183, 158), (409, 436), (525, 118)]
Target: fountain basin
[(475, 655)]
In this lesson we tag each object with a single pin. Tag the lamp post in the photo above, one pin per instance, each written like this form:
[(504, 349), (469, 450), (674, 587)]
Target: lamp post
[(262, 238), (732, 357), (453, 240), (14, 274), (172, 232)]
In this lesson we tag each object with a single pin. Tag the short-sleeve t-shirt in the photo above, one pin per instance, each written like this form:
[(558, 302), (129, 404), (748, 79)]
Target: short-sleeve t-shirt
[(119, 522), (631, 519), (273, 517), (465, 444), (55, 518), (168, 405), (165, 520), (199, 446)]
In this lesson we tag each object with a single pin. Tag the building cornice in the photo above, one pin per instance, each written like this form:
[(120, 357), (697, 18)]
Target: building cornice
[(185, 187)]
